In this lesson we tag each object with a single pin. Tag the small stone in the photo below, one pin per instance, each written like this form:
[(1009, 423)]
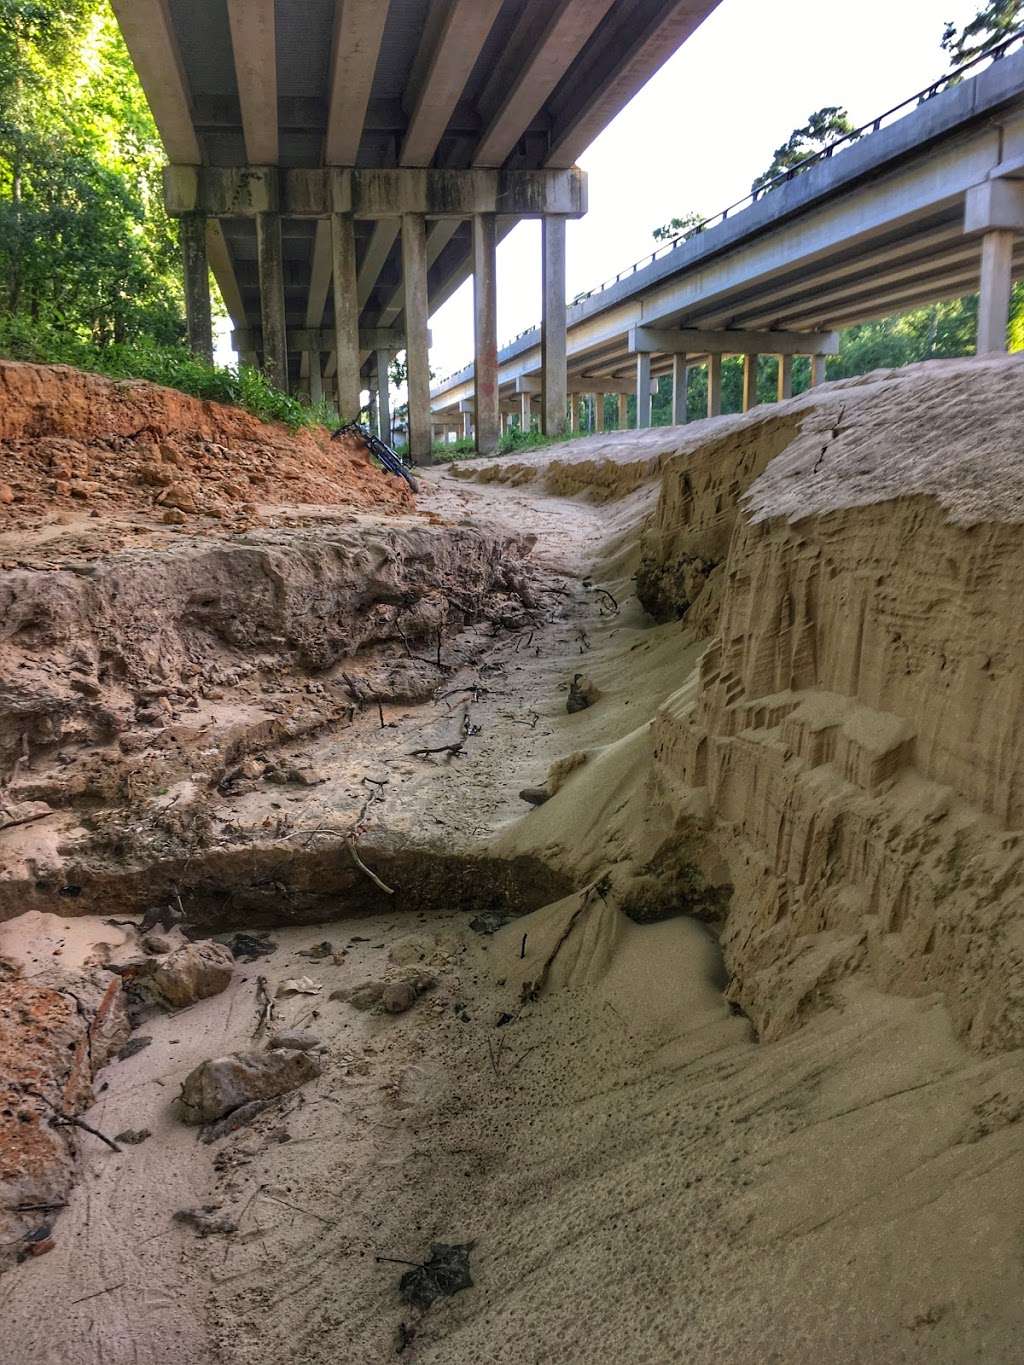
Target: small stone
[(6, 493), (222, 1084), (582, 694), (192, 973), (296, 1039), (179, 495), (174, 516), (399, 997), (132, 1048), (536, 796), (206, 1222), (131, 1137)]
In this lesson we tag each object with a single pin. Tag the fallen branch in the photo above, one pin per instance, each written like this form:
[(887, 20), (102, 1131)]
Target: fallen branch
[(264, 1006), (388, 890), (605, 593), (72, 1122), (453, 749), (109, 1290)]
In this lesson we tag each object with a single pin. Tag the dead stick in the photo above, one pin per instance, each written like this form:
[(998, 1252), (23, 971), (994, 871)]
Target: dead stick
[(388, 890), (298, 1209), (61, 1117), (109, 1290), (452, 749)]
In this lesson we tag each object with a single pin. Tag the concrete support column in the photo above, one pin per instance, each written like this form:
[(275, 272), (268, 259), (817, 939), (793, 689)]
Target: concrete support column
[(316, 383), (250, 359), (467, 426), (417, 345), (750, 382), (680, 383), (714, 385), (817, 370), (574, 413), (485, 333), (197, 284), (272, 316), (785, 382), (623, 410), (599, 412), (996, 285), (384, 396), (525, 412), (346, 314), (643, 389), (553, 322)]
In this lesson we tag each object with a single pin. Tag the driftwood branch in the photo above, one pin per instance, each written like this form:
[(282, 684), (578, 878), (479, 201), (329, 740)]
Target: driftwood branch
[(388, 890)]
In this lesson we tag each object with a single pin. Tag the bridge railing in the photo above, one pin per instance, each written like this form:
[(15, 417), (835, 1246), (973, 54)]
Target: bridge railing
[(954, 77)]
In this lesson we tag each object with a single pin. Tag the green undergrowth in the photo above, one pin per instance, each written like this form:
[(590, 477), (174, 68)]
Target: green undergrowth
[(174, 366), (449, 452)]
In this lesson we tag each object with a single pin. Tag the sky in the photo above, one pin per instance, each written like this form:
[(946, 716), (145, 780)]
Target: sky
[(702, 128)]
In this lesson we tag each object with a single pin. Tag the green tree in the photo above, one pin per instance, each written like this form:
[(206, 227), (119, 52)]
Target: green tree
[(994, 22), (675, 226), (822, 127), (84, 241)]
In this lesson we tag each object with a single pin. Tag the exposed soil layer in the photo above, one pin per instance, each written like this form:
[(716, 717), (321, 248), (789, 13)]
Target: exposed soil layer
[(72, 442)]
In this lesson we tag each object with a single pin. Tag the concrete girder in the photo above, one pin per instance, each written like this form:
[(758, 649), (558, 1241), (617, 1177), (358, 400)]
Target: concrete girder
[(358, 30), (149, 37), (666, 342), (244, 191), (566, 27), (454, 50), (254, 43), (390, 339)]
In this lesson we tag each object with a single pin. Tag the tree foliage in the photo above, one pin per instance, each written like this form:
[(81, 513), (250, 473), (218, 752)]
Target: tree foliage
[(994, 22), (822, 127), (84, 242)]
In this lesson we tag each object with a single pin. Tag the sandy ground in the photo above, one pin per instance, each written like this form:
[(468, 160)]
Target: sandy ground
[(642, 1182)]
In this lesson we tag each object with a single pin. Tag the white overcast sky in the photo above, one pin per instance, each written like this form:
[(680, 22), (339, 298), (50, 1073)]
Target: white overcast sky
[(703, 128), (707, 123)]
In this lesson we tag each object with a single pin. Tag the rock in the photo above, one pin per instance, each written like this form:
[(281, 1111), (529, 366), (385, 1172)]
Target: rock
[(132, 1048), (131, 1137), (394, 997), (536, 796), (297, 1039), (87, 687), (207, 1222), (166, 941), (174, 516), (362, 997), (56, 1030), (238, 1118), (217, 1087), (6, 493), (192, 973), (582, 693), (179, 495), (399, 997)]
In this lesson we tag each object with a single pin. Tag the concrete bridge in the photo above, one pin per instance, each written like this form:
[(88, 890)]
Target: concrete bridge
[(929, 207), (343, 165)]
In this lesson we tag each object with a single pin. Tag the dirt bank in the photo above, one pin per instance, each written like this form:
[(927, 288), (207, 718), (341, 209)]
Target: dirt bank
[(73, 443), (749, 1087)]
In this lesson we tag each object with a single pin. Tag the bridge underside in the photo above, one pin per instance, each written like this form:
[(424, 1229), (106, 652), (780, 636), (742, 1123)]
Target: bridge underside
[(458, 85)]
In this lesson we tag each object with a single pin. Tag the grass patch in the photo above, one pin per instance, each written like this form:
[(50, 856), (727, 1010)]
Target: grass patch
[(446, 452), (173, 366)]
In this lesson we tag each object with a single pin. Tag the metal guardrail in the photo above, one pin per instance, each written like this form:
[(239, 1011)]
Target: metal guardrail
[(953, 77)]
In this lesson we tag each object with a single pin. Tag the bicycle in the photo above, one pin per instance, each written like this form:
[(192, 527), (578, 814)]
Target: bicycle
[(380, 450)]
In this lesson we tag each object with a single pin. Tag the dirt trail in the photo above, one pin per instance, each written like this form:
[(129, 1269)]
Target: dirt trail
[(783, 1126)]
